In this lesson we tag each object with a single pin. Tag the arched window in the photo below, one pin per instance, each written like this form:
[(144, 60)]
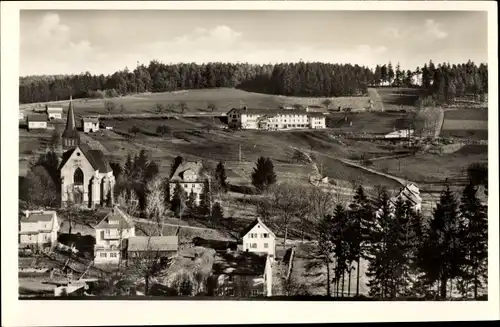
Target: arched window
[(78, 177)]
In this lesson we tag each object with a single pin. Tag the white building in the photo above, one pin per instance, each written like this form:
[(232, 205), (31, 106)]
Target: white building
[(21, 115), (272, 119), (38, 228), (410, 193), (188, 176), (115, 227), (90, 125), (257, 237), (36, 121), (54, 112), (403, 133)]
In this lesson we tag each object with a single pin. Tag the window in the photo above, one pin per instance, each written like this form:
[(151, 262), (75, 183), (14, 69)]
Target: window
[(254, 245), (103, 255), (185, 186), (266, 245), (78, 177), (265, 235), (255, 292), (113, 255)]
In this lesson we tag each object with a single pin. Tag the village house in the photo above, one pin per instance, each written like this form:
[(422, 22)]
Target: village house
[(38, 228), (144, 247), (189, 176), (257, 237), (410, 193), (272, 119), (53, 112), (90, 124), (110, 233), (36, 121), (240, 274)]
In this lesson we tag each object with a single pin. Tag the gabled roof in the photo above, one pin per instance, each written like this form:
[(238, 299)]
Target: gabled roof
[(36, 216), (239, 263), (37, 118), (70, 130), (153, 243), (178, 175), (95, 157), (90, 120), (253, 224), (115, 214)]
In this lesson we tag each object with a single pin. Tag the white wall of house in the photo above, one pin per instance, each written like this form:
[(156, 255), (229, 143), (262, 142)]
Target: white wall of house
[(107, 256), (90, 127), (54, 115), (37, 125), (317, 122), (40, 232), (197, 188), (258, 239), (107, 247)]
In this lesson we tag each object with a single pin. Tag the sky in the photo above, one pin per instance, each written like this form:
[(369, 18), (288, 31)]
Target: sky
[(102, 42)]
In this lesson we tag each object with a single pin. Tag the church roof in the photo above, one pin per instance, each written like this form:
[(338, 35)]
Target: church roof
[(95, 157), (70, 130)]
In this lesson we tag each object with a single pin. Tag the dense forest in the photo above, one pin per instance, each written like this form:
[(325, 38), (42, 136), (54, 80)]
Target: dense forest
[(442, 81)]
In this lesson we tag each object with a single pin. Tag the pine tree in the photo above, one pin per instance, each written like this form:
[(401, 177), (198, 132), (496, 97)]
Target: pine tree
[(178, 198), (361, 220), (475, 234), (191, 202), (399, 76), (263, 174), (443, 254), (205, 199), (220, 175), (176, 163), (217, 212), (341, 245), (390, 73), (324, 247)]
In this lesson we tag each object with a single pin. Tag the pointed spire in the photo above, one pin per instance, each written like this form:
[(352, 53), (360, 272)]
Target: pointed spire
[(70, 136), (70, 122)]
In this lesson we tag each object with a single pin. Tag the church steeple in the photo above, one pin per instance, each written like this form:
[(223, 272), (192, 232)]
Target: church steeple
[(70, 136)]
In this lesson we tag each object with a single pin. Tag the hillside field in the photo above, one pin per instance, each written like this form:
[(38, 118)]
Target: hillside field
[(466, 123)]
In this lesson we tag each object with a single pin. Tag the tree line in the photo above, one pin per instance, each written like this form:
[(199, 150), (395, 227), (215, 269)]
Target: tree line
[(293, 79)]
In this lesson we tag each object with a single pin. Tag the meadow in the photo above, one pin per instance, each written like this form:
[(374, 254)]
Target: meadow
[(466, 123)]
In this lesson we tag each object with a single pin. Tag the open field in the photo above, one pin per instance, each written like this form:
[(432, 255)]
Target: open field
[(369, 122), (466, 123), (197, 101), (429, 168), (394, 98)]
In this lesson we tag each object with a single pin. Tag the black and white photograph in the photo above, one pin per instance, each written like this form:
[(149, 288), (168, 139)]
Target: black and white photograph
[(258, 154)]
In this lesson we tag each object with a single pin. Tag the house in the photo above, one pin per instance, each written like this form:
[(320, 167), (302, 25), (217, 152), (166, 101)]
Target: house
[(57, 124), (241, 274), (53, 112), (317, 120), (36, 121), (21, 115), (90, 125), (115, 227), (152, 246), (404, 133), (257, 237), (188, 176), (86, 177), (409, 193), (38, 228), (272, 119)]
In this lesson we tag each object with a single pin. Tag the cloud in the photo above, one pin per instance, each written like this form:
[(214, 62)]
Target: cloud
[(434, 29)]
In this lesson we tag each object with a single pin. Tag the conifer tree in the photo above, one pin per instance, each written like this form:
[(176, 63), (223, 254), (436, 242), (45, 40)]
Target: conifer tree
[(475, 235), (263, 174), (324, 247), (178, 198), (205, 199), (341, 246), (217, 212), (191, 202), (220, 175)]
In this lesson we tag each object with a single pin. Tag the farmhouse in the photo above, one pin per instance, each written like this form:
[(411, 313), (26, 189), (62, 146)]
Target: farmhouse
[(152, 246), (241, 274), (272, 119), (115, 227), (36, 121), (53, 112), (90, 125), (38, 228), (188, 176), (257, 237), (86, 177)]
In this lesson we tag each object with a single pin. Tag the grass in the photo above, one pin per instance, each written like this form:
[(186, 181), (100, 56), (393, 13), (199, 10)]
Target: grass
[(466, 123), (394, 98), (369, 122)]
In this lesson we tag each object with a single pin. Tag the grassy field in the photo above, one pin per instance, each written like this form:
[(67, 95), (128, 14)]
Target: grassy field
[(394, 98), (466, 123), (198, 100), (428, 168), (369, 122)]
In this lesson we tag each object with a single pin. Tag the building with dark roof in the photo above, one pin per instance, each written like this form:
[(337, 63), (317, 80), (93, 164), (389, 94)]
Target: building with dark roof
[(90, 124), (259, 238), (241, 274), (86, 177), (36, 121), (190, 177), (70, 137), (152, 246), (274, 119)]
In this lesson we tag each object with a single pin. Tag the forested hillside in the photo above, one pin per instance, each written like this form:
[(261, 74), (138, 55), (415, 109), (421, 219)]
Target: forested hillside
[(443, 81)]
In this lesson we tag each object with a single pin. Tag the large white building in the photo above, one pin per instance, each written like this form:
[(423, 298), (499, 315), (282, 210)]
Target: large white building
[(115, 227), (188, 176), (272, 119), (38, 228), (54, 112)]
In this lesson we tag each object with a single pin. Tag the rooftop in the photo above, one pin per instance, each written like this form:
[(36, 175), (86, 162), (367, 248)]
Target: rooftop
[(36, 216), (37, 118), (153, 243), (95, 157), (239, 263), (90, 120), (253, 224), (195, 166), (115, 218)]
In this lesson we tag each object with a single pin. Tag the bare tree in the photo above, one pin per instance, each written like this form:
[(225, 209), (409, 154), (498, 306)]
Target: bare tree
[(128, 202), (155, 203), (304, 211), (285, 200)]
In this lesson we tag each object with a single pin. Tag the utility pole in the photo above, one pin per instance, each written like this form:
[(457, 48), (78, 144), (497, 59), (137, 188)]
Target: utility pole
[(239, 152)]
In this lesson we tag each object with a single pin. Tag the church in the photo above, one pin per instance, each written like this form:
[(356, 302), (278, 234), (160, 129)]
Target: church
[(86, 177)]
